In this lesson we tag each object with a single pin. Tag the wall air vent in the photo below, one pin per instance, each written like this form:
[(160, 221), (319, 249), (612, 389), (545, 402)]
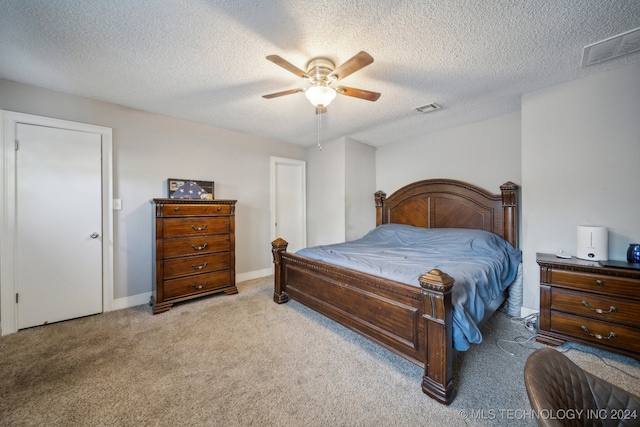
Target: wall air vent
[(427, 108), (612, 47)]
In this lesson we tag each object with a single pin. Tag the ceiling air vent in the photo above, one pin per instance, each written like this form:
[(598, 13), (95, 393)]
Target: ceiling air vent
[(612, 47), (427, 108)]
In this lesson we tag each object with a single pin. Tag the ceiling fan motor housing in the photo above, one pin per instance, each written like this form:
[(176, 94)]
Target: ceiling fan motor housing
[(319, 69)]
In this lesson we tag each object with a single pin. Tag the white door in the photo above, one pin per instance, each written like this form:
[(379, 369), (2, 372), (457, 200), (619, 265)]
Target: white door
[(58, 224), (289, 202)]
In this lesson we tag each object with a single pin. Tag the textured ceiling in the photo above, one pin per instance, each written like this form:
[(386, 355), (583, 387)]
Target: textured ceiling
[(204, 60)]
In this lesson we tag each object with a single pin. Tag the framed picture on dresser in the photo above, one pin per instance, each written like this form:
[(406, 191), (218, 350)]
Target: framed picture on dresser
[(190, 189)]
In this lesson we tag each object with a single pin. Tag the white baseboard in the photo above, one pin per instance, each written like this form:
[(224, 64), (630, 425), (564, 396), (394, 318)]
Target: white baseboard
[(141, 299), (243, 277), (526, 311), (132, 301)]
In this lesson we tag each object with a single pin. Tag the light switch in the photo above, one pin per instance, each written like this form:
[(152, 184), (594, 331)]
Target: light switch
[(117, 204)]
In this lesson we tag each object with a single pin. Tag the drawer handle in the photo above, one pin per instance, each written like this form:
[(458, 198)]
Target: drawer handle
[(600, 282), (199, 228), (598, 336), (176, 209), (219, 208), (193, 285), (199, 267), (199, 248), (599, 310)]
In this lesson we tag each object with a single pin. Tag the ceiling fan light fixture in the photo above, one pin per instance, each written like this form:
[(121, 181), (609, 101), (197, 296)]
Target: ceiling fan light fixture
[(320, 95)]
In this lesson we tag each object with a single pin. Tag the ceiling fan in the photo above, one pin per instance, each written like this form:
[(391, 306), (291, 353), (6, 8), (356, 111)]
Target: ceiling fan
[(321, 74)]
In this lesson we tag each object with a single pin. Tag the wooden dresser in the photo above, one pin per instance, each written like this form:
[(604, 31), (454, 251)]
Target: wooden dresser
[(194, 250), (583, 302)]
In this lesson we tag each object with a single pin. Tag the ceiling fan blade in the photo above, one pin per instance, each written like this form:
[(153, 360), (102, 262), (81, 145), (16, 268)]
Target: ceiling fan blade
[(288, 66), (321, 110), (283, 93), (359, 61), (358, 93)]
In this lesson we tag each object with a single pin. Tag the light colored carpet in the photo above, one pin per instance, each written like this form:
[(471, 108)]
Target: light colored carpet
[(242, 360)]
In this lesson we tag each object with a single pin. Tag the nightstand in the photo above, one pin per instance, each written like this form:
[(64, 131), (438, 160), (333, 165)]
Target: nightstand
[(584, 302)]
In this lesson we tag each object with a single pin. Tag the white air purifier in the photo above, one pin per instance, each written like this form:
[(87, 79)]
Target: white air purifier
[(593, 243)]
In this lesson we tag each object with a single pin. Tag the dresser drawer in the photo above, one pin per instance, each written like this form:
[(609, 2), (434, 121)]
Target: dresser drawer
[(597, 282), (182, 210), (596, 331), (196, 245), (195, 226), (595, 305), (179, 267), (196, 284)]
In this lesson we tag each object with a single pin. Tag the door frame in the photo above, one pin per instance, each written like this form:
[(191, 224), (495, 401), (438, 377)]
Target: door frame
[(8, 238), (275, 161)]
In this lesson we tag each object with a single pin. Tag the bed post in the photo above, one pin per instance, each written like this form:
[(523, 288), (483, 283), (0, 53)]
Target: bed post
[(510, 212), (437, 310), (278, 247), (380, 197)]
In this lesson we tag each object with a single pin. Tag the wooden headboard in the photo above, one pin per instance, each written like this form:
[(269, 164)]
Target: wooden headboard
[(447, 203)]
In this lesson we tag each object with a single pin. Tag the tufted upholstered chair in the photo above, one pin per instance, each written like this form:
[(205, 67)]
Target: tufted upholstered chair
[(563, 394)]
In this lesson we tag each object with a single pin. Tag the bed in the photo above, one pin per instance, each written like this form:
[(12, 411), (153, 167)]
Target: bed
[(415, 321)]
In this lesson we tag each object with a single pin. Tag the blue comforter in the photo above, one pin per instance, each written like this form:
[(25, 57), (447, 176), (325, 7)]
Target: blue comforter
[(482, 264)]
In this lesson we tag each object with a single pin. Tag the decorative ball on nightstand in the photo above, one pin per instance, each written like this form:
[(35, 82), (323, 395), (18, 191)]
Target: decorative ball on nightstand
[(633, 253)]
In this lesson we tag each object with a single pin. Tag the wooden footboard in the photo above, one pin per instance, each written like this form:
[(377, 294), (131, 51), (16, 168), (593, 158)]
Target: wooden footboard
[(415, 323)]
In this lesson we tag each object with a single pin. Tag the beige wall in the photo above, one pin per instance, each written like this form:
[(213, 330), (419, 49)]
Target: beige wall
[(580, 159), (340, 188), (360, 186), (148, 149), (485, 153), (326, 193)]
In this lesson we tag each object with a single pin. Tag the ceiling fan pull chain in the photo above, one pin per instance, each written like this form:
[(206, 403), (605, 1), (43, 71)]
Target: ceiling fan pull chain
[(319, 123)]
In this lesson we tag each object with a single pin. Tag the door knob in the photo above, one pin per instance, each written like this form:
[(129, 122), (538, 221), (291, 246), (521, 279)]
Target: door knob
[(94, 235)]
